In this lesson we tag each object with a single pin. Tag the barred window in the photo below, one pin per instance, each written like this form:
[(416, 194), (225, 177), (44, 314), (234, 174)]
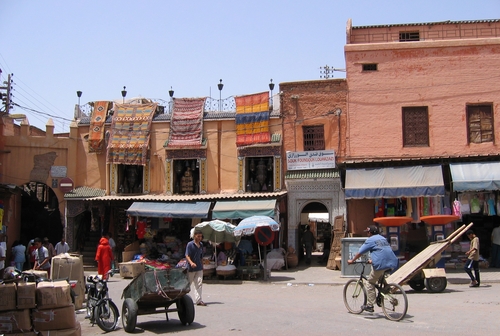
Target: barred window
[(314, 138), (480, 123), (415, 126), (370, 67), (409, 36)]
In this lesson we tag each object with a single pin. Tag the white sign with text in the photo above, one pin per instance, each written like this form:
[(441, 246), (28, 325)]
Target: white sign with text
[(321, 159)]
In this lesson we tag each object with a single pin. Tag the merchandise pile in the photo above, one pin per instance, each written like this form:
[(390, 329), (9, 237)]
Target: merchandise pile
[(41, 309)]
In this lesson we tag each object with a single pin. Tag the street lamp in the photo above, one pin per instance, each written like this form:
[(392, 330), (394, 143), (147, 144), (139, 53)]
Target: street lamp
[(220, 86), (271, 87), (124, 94), (78, 94), (171, 94)]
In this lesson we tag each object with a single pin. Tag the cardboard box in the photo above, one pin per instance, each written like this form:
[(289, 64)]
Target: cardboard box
[(135, 246), (8, 295), (54, 319), (26, 295), (16, 321), (70, 266), (131, 269), (37, 273), (53, 295), (129, 255), (76, 331)]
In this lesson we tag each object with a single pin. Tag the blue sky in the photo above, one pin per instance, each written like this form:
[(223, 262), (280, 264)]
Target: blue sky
[(55, 48)]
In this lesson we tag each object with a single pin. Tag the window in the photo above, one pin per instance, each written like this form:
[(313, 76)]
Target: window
[(370, 67), (259, 174), (186, 176), (130, 179), (409, 36), (314, 138), (480, 123), (415, 126)]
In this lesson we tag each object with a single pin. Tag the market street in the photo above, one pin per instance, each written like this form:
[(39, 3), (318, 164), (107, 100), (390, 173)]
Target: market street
[(285, 308)]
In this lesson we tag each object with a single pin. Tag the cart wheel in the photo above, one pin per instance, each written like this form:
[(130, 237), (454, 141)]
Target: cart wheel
[(129, 313), (185, 309), (417, 285), (436, 285)]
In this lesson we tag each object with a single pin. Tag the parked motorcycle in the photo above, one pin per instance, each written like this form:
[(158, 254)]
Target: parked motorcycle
[(100, 308)]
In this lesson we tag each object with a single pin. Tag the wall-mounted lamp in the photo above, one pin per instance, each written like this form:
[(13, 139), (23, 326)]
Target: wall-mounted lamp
[(79, 95), (220, 86)]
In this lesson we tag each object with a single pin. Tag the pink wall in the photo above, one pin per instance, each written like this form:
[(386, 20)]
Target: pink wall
[(443, 75)]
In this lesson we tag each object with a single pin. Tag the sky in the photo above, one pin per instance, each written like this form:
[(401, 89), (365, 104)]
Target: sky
[(54, 48)]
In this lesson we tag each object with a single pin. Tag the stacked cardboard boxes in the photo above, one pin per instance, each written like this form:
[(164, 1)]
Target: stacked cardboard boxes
[(28, 309), (70, 266)]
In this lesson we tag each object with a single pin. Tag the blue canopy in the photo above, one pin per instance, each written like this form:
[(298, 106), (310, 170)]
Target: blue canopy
[(175, 210), (394, 182), (475, 176)]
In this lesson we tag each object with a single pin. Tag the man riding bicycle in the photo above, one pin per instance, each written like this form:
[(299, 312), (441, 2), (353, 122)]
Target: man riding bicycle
[(382, 259)]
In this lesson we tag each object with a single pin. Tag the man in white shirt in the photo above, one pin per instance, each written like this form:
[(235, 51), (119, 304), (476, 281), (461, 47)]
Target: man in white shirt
[(62, 246)]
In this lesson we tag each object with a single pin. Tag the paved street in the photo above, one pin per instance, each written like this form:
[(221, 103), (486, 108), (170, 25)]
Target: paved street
[(308, 301)]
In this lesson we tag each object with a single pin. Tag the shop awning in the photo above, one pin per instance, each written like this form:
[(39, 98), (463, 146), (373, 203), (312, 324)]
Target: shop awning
[(243, 209), (475, 176), (175, 210), (393, 182)]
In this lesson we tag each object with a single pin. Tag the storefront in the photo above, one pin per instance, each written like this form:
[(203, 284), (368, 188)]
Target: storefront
[(411, 191), (476, 188)]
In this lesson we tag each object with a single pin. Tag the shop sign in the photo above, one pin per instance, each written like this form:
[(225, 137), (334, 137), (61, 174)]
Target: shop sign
[(320, 159)]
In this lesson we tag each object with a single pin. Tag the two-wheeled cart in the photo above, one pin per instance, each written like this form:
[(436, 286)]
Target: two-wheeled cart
[(154, 291), (416, 273)]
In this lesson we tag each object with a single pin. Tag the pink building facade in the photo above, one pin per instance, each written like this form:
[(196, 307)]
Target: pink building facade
[(422, 99)]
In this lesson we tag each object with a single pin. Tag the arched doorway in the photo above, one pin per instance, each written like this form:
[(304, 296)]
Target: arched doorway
[(316, 215), (40, 215)]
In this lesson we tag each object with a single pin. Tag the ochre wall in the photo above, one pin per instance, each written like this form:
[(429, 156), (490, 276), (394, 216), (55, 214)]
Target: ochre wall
[(311, 103)]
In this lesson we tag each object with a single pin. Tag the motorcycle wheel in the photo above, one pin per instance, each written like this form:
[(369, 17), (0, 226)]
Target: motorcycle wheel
[(106, 315)]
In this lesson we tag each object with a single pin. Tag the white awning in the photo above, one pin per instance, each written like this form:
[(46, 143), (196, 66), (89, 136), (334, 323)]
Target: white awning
[(394, 182), (174, 210), (243, 209), (475, 176)]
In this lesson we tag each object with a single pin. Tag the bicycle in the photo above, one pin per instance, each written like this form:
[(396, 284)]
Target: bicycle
[(100, 308), (391, 297)]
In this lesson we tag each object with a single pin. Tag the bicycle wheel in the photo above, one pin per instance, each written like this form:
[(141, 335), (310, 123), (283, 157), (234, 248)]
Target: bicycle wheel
[(354, 296), (395, 302), (106, 315)]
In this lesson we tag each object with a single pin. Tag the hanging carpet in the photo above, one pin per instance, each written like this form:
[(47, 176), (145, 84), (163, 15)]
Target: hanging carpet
[(96, 133), (186, 124), (252, 119), (130, 132)]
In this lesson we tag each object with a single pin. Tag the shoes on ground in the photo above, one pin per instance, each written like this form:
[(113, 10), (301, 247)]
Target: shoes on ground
[(474, 284), (367, 308), (201, 303)]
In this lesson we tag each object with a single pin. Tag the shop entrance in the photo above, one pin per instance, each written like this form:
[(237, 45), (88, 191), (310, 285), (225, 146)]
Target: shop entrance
[(315, 216)]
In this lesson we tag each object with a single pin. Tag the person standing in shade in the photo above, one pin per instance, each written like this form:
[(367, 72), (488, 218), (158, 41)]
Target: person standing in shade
[(48, 245), (194, 254), (104, 257), (308, 241), (112, 244), (473, 259), (495, 247), (42, 260), (18, 254), (62, 246), (2, 260)]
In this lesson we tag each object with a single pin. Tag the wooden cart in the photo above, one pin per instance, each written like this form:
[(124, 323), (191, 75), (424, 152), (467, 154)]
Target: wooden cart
[(415, 273), (157, 289)]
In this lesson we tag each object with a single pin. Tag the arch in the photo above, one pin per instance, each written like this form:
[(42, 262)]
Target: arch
[(40, 215)]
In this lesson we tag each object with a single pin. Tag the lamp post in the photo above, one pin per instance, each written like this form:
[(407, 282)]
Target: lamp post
[(79, 95), (171, 94), (271, 87), (124, 94), (220, 86)]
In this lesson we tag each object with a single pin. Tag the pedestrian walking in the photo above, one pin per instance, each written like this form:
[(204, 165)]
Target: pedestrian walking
[(42, 260), (473, 259), (104, 257), (194, 253), (18, 254), (62, 246), (495, 247)]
